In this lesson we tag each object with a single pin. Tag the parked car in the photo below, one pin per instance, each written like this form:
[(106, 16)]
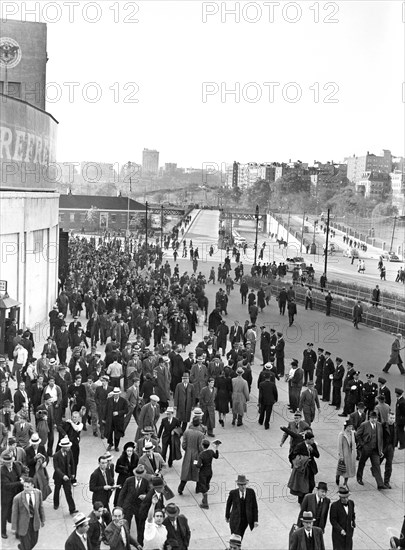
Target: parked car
[(351, 253), (393, 257)]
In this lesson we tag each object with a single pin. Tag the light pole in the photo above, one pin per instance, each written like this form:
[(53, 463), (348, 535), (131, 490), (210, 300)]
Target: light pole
[(393, 233), (257, 228), (146, 231), (161, 224), (326, 244)]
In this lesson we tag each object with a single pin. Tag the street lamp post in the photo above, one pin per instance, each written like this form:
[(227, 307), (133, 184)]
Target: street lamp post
[(146, 231), (161, 224), (326, 244), (257, 228)]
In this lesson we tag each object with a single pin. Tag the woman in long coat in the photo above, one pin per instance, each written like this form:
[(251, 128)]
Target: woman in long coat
[(125, 466), (205, 471), (183, 337), (346, 453), (261, 299), (223, 398), (192, 445)]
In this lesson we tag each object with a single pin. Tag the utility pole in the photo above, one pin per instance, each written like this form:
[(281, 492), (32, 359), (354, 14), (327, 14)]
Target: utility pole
[(257, 228), (161, 224), (393, 233), (146, 232), (302, 232), (327, 244)]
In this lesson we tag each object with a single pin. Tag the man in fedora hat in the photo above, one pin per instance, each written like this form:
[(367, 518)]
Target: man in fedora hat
[(241, 508), (184, 400), (343, 520), (395, 357), (63, 465), (133, 493), (318, 504), (34, 452), (156, 494), (308, 401), (400, 417), (149, 415), (308, 536), (152, 461), (10, 473), (177, 526), (78, 539), (166, 428), (27, 515), (240, 396), (114, 419)]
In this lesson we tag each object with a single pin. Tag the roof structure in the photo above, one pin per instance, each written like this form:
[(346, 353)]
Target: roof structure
[(85, 202)]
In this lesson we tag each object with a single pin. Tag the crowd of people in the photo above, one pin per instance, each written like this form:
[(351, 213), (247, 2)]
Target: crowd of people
[(144, 315)]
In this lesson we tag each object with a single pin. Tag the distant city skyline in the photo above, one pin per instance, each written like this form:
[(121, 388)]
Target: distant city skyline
[(309, 89)]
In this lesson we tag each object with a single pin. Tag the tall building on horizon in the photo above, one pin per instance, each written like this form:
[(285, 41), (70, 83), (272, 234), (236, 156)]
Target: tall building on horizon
[(357, 166), (150, 162)]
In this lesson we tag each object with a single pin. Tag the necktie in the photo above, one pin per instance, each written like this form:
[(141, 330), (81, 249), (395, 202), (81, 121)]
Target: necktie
[(124, 536), (31, 505)]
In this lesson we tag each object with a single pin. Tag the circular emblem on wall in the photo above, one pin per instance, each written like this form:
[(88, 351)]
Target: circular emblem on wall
[(10, 52)]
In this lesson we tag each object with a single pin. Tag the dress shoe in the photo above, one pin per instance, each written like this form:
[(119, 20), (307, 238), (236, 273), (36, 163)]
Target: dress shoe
[(95, 434), (360, 482), (56, 507), (342, 414), (233, 422), (180, 492), (73, 512), (109, 448), (4, 536), (211, 435), (388, 485), (267, 427), (331, 405), (382, 487), (239, 424), (117, 449), (205, 506)]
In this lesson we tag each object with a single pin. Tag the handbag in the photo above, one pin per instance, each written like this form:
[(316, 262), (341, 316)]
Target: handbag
[(167, 492), (341, 467)]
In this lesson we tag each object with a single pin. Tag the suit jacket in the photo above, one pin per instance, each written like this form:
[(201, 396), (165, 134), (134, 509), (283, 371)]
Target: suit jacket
[(386, 393), (183, 401), (61, 468), (298, 539), (342, 518), (114, 539), (236, 335), (148, 416), (96, 486), (20, 516), (115, 423), (74, 542), (10, 483), (19, 400), (233, 511), (308, 400), (160, 463), (166, 428), (364, 434), (147, 501), (400, 411), (309, 504), (129, 495), (268, 394), (30, 454), (23, 434), (356, 419), (96, 530), (182, 532)]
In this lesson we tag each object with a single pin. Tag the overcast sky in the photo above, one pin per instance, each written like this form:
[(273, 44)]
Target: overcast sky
[(170, 53)]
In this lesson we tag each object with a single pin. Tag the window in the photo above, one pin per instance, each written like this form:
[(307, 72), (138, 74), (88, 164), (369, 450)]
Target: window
[(72, 217), (38, 242), (113, 218)]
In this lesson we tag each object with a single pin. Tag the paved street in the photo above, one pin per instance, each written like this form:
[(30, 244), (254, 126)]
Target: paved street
[(252, 451)]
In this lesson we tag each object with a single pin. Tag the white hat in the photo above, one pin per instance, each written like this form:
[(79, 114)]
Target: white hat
[(35, 438), (148, 446), (170, 410), (155, 398), (198, 412), (79, 519), (65, 443), (116, 391)]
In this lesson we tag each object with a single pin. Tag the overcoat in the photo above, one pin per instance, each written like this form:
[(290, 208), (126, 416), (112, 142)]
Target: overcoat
[(191, 444), (240, 395)]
